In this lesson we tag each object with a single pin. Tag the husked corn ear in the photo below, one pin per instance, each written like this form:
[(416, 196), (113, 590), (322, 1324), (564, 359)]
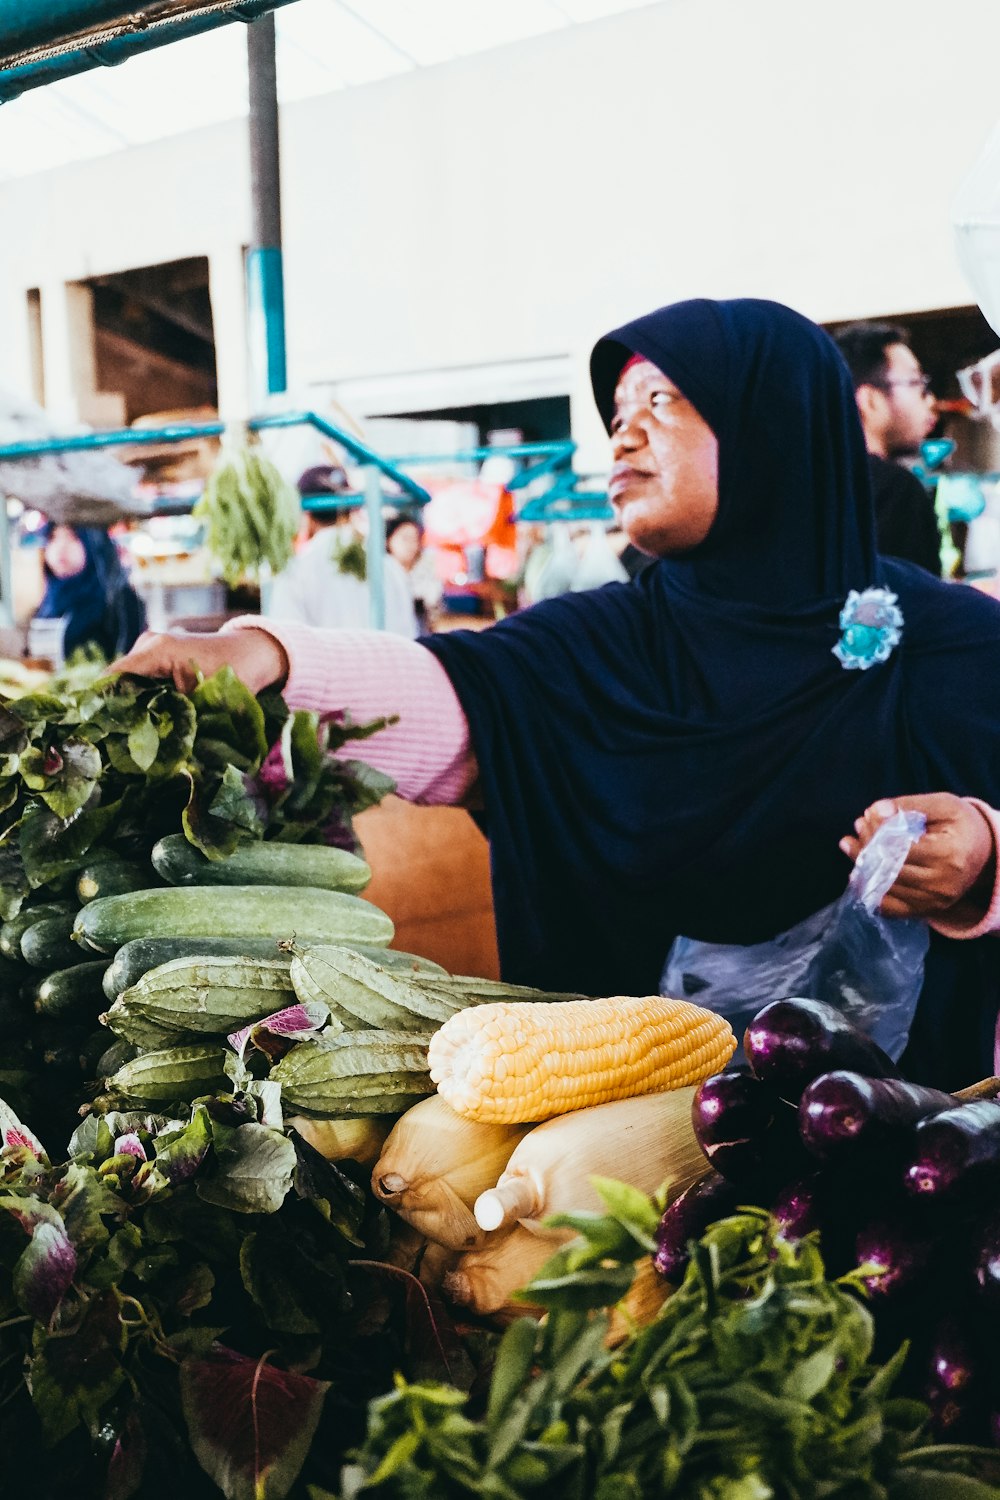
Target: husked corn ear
[(552, 1169), (434, 1166), (509, 1063)]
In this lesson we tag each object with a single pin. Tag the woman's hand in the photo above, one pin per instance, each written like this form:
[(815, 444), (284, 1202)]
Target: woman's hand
[(953, 864), (254, 655)]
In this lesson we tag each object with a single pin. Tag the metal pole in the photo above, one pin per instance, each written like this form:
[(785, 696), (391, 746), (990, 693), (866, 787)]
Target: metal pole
[(6, 567), (265, 280), (375, 549)]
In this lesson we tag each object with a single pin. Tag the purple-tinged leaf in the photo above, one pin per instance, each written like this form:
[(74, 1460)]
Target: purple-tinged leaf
[(16, 1136), (250, 1424), (435, 1350), (179, 1153), (44, 1271), (130, 1143), (72, 1379), (238, 1040), (297, 1022)]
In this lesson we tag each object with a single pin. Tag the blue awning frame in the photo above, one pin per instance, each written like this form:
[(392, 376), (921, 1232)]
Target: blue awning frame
[(44, 41)]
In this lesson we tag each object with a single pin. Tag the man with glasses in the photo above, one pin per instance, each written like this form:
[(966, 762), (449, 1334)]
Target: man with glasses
[(897, 412)]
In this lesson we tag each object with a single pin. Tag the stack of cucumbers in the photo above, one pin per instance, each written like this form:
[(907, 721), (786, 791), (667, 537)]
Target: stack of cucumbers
[(61, 962), (128, 996)]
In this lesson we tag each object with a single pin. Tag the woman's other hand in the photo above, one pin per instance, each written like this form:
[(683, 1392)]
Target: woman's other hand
[(953, 864), (254, 655)]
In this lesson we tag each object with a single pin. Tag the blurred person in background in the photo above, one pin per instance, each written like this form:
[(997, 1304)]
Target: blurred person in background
[(404, 540), (326, 582), (897, 412), (87, 587)]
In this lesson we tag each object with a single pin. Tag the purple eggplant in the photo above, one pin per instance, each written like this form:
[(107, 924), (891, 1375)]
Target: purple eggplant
[(791, 1042), (956, 1152), (985, 1245), (799, 1206), (844, 1116), (744, 1129), (687, 1218), (900, 1255), (955, 1383)]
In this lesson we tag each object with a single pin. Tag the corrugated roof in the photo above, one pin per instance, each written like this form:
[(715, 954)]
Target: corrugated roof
[(323, 46)]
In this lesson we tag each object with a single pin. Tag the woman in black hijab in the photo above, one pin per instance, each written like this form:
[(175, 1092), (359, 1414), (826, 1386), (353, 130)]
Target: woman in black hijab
[(682, 754)]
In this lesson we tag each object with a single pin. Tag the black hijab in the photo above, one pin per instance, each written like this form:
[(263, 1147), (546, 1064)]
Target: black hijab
[(681, 754)]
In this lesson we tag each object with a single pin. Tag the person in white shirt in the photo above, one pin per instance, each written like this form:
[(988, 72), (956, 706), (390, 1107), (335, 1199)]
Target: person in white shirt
[(326, 584)]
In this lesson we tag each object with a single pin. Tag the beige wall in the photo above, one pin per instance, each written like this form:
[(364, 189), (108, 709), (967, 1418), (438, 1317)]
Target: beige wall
[(511, 206)]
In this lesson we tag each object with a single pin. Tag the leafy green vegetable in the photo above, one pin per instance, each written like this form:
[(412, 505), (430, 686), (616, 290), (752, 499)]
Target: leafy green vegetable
[(118, 764), (754, 1382)]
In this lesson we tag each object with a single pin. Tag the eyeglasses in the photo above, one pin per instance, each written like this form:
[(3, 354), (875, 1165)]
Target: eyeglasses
[(923, 381)]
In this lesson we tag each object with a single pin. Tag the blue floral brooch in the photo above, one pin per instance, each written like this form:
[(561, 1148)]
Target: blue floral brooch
[(871, 626)]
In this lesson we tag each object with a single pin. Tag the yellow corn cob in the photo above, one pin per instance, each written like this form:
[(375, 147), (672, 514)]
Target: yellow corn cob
[(530, 1060)]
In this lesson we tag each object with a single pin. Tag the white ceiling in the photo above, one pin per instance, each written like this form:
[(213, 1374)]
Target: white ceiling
[(323, 45)]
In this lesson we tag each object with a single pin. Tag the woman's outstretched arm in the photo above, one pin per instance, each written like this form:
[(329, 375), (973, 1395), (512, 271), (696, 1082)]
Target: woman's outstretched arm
[(367, 673)]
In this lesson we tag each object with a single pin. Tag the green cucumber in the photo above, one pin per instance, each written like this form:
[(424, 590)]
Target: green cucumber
[(73, 994), (111, 875), (49, 944), (304, 913), (13, 931), (272, 863)]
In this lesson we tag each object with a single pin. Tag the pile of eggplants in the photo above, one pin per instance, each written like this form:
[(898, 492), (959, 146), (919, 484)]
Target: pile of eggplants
[(902, 1183)]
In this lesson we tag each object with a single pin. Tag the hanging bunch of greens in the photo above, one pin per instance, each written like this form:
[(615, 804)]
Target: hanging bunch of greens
[(118, 764), (251, 515), (349, 555)]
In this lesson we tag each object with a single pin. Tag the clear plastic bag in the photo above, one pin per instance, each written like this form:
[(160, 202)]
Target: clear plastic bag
[(869, 966)]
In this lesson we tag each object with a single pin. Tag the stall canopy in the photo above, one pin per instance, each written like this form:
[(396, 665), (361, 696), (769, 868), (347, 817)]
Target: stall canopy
[(42, 41)]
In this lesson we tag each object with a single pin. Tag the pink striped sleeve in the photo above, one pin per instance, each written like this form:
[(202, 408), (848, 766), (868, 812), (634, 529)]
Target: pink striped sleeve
[(978, 925), (371, 673)]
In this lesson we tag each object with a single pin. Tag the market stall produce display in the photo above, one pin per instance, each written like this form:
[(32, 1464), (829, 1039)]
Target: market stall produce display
[(267, 1210)]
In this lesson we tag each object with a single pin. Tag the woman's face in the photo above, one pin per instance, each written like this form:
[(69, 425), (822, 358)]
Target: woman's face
[(404, 544), (665, 479), (64, 553)]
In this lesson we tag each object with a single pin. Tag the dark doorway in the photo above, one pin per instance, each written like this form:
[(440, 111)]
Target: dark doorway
[(155, 342)]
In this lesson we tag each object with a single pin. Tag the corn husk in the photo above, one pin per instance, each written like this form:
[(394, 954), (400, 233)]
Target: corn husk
[(485, 1280), (640, 1305), (359, 1140), (649, 1136), (434, 1166)]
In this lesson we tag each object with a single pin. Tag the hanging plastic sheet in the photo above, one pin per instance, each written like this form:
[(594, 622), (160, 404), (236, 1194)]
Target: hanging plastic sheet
[(79, 488), (976, 218)]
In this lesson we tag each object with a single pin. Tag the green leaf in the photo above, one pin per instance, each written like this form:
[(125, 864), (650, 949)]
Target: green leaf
[(282, 1300), (250, 1424), (254, 1167), (144, 743), (233, 804), (73, 1374), (512, 1367), (85, 1201), (180, 1153), (632, 1209)]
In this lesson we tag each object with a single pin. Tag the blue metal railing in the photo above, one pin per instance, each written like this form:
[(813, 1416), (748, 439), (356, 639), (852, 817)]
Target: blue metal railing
[(561, 501)]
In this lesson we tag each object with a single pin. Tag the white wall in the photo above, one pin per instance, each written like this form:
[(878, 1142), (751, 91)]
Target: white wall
[(509, 207)]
